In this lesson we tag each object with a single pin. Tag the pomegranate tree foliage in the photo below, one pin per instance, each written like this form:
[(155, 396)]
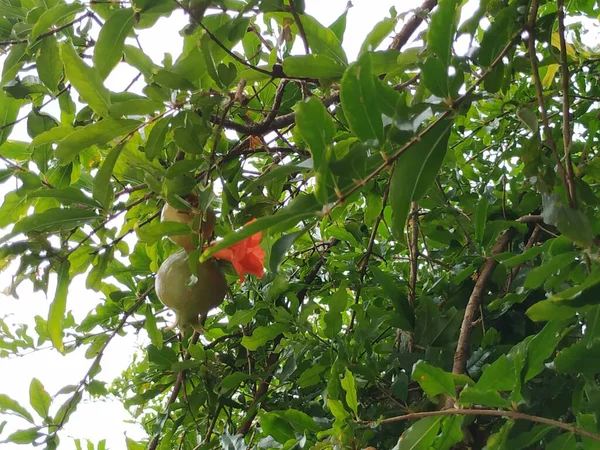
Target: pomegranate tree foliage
[(429, 212)]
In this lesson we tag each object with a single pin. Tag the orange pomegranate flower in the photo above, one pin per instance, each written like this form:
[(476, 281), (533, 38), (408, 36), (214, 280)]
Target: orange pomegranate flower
[(246, 256)]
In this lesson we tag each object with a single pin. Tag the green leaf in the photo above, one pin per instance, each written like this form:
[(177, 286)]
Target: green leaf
[(8, 405), (67, 196), (156, 139), (349, 386), (420, 435), (97, 133), (441, 30), (498, 376), (450, 434), (473, 396), (263, 334), (9, 109), (359, 100), (52, 220), (405, 316), (154, 333), (85, 79), (108, 50), (135, 107), (579, 358), (58, 307), (39, 399), (52, 136), (481, 218), (280, 248), (153, 232), (103, 190), (415, 172), (24, 436), (497, 35), (528, 118), (313, 66), (138, 59), (242, 317), (233, 380), (274, 425), (322, 40), (529, 438), (318, 130), (48, 63), (377, 35), (54, 16), (540, 274), (433, 380), (542, 346), (566, 441), (300, 421)]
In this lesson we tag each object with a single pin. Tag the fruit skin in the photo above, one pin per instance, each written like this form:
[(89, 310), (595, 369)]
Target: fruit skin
[(170, 214), (189, 302)]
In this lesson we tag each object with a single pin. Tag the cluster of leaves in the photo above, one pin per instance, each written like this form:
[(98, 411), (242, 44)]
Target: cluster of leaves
[(364, 331)]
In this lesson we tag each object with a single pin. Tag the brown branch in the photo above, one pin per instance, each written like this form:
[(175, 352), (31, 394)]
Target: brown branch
[(566, 128), (486, 412), (300, 27), (462, 347), (411, 25), (540, 96)]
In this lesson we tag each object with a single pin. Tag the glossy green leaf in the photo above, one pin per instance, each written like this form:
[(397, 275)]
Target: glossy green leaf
[(67, 196), (420, 435), (263, 334), (111, 40), (415, 172), (280, 248), (440, 34), (349, 386), (322, 40), (54, 16), (48, 63), (85, 79), (433, 380), (473, 396), (39, 399), (156, 139), (579, 358), (58, 307), (497, 35), (358, 96), (377, 35), (274, 425), (155, 231), (10, 406), (9, 109), (99, 133), (540, 274), (317, 66), (103, 190), (317, 129)]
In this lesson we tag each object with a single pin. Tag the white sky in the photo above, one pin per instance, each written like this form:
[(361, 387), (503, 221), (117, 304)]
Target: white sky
[(107, 419)]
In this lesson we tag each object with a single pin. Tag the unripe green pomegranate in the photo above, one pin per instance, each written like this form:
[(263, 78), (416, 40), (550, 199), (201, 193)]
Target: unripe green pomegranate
[(190, 301), (171, 214)]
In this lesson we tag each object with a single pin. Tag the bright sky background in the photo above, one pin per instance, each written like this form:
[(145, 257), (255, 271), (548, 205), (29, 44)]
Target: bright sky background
[(108, 419)]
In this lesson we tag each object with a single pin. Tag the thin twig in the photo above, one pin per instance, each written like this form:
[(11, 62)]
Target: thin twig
[(540, 96), (300, 27), (411, 25), (48, 33), (566, 128), (486, 412)]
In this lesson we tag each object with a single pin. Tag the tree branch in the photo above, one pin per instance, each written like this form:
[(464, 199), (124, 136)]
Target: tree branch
[(566, 128), (411, 25), (486, 412), (540, 96)]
